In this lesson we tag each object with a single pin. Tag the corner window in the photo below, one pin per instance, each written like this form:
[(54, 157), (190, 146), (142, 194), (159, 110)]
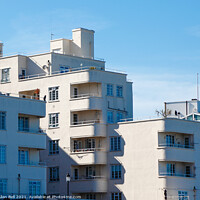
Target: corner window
[(5, 75), (2, 154), (109, 90), (53, 93), (119, 91), (53, 120), (54, 174), (116, 172), (110, 117), (2, 121), (115, 143), (34, 188), (54, 147)]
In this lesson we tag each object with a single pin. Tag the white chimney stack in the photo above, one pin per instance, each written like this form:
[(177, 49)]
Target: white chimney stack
[(1, 49)]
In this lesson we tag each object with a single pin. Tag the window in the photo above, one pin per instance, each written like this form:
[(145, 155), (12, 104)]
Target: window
[(53, 93), (119, 117), (2, 154), (115, 143), (3, 186), (169, 140), (182, 195), (23, 157), (188, 171), (109, 90), (90, 172), (75, 92), (77, 145), (75, 174), (110, 117), (23, 124), (116, 196), (5, 75), (53, 120), (170, 169), (54, 174), (75, 119), (116, 171), (53, 147), (34, 188), (187, 142), (90, 196), (119, 91), (90, 143), (2, 121), (64, 69)]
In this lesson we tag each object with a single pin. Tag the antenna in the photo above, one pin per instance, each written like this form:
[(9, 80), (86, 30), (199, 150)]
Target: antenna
[(52, 36), (197, 86)]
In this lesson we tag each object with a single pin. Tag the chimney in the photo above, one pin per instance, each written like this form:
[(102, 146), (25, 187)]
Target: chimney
[(1, 49)]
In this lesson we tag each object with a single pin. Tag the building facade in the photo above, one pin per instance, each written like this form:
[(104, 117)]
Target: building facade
[(21, 139), (82, 98)]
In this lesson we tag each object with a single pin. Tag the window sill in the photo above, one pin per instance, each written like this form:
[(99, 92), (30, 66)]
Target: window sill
[(53, 101), (5, 82), (53, 127), (115, 150)]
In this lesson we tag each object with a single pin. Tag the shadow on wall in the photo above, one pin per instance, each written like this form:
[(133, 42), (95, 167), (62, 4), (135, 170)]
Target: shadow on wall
[(114, 159), (35, 68)]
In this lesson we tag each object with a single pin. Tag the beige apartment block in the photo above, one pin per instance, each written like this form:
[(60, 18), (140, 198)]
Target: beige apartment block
[(21, 140)]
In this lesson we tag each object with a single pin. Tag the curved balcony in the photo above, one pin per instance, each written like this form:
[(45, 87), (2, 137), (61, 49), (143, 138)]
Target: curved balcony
[(89, 157), (88, 129), (93, 185)]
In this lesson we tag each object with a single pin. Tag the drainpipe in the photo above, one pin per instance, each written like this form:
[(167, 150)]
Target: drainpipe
[(19, 178)]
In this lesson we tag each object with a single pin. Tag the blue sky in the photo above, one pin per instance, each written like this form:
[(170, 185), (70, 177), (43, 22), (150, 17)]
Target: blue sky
[(157, 42)]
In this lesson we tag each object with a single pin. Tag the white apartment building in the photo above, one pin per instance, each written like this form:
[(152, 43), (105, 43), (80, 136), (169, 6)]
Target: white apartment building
[(82, 99), (21, 139)]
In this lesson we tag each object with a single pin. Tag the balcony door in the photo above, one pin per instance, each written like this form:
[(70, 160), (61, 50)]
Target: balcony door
[(170, 169), (169, 140)]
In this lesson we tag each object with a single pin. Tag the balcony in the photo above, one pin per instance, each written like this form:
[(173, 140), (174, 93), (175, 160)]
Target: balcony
[(96, 184), (27, 130), (34, 164), (86, 103), (89, 157), (177, 175), (88, 129)]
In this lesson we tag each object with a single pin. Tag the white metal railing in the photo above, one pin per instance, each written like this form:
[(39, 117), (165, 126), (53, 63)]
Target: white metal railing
[(20, 95), (28, 130), (81, 178), (176, 174), (61, 72), (178, 197), (86, 122), (87, 150), (84, 95), (177, 146)]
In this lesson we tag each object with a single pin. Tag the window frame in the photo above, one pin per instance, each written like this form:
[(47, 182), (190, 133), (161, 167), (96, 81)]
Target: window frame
[(53, 147), (3, 182), (109, 89), (115, 143), (2, 120), (115, 171), (116, 196), (33, 187), (5, 75), (54, 174), (119, 91), (2, 154), (110, 117), (119, 116), (23, 124), (23, 157), (53, 93), (53, 120)]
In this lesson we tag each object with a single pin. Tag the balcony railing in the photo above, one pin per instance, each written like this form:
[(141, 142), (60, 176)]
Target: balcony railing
[(82, 178), (86, 150), (176, 174), (28, 130), (177, 146), (86, 122), (42, 164), (84, 96)]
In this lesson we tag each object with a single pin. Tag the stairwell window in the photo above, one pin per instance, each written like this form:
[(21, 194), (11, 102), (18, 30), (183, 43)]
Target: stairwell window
[(5, 75), (2, 120), (109, 90), (116, 172), (110, 117), (53, 94), (115, 143), (119, 91), (34, 188), (53, 120), (54, 174), (2, 154), (3, 186), (116, 196), (53, 147)]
